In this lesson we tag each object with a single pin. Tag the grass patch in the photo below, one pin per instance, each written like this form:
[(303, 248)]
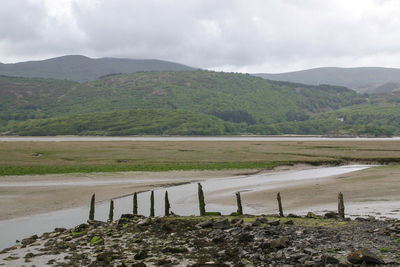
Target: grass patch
[(87, 157)]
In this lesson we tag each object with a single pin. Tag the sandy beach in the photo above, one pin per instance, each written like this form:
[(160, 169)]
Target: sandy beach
[(27, 195)]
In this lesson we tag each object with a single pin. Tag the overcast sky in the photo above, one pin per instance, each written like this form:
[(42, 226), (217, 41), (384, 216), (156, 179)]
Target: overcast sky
[(240, 36)]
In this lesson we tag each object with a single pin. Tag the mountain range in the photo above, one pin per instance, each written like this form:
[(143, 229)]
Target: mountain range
[(167, 101), (363, 80), (81, 69)]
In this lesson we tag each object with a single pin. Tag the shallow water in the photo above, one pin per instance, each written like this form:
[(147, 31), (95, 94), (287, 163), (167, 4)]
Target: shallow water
[(183, 138), (183, 199)]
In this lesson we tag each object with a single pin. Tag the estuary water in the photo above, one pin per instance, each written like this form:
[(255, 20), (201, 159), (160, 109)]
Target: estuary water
[(183, 199), (183, 138)]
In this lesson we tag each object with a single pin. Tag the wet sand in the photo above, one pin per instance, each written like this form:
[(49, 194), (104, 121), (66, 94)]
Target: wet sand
[(362, 188), (373, 191), (27, 195)]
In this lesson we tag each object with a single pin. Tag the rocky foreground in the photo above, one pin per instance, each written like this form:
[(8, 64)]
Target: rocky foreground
[(214, 241)]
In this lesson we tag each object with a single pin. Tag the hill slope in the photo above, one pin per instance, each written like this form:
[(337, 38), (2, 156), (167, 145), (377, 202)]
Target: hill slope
[(366, 79), (82, 69), (202, 102)]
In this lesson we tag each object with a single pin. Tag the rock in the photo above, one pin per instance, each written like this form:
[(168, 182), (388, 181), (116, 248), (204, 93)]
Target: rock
[(127, 216), (310, 251), (81, 227), (142, 254), (245, 237), (274, 222), (29, 240), (280, 243), (29, 255), (361, 255), (105, 257), (174, 250), (95, 223), (235, 220), (290, 222), (256, 223), (262, 220), (331, 215), (222, 224), (329, 259), (205, 224), (291, 215)]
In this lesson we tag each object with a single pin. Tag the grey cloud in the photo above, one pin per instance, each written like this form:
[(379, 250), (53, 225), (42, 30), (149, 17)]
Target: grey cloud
[(238, 35)]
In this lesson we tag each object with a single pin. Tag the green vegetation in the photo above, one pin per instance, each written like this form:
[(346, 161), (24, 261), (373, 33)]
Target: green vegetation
[(134, 122), (381, 119), (19, 158), (172, 103)]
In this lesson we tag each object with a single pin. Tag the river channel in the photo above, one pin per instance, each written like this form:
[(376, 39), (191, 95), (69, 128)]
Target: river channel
[(183, 199)]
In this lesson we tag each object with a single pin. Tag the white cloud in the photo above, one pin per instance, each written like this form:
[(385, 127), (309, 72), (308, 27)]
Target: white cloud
[(238, 35)]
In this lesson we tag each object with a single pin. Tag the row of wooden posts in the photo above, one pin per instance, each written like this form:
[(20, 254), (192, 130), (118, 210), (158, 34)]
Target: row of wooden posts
[(202, 205)]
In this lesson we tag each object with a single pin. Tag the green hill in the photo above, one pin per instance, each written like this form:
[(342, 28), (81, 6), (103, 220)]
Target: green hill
[(185, 102), (82, 69), (365, 79), (216, 93), (29, 98)]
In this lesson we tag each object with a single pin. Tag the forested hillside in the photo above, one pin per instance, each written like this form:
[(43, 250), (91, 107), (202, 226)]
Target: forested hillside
[(189, 103)]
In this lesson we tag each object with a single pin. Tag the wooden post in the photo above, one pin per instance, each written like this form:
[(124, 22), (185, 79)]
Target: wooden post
[(167, 205), (278, 197), (152, 204), (239, 204), (340, 205), (91, 211), (202, 204), (111, 212), (135, 206)]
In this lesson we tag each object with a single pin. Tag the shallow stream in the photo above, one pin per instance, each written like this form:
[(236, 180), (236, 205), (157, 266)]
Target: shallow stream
[(183, 199)]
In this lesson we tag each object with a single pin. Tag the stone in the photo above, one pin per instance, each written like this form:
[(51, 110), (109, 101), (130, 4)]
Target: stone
[(246, 237), (142, 254), (222, 224), (81, 227), (274, 222), (329, 259), (280, 243), (174, 250), (205, 224), (364, 254), (29, 240), (331, 215)]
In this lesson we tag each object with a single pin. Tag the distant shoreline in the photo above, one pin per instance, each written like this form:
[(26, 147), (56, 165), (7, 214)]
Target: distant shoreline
[(68, 138)]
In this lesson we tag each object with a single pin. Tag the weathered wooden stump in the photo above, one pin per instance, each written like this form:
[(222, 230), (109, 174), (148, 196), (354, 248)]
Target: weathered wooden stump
[(202, 204), (111, 212), (278, 197), (91, 211), (135, 206), (340, 205), (239, 204), (167, 205), (152, 204)]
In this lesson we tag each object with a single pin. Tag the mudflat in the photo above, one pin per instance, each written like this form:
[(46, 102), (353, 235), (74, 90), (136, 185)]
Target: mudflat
[(26, 195), (34, 194)]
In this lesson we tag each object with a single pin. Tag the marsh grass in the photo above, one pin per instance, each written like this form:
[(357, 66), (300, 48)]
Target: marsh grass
[(19, 158)]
